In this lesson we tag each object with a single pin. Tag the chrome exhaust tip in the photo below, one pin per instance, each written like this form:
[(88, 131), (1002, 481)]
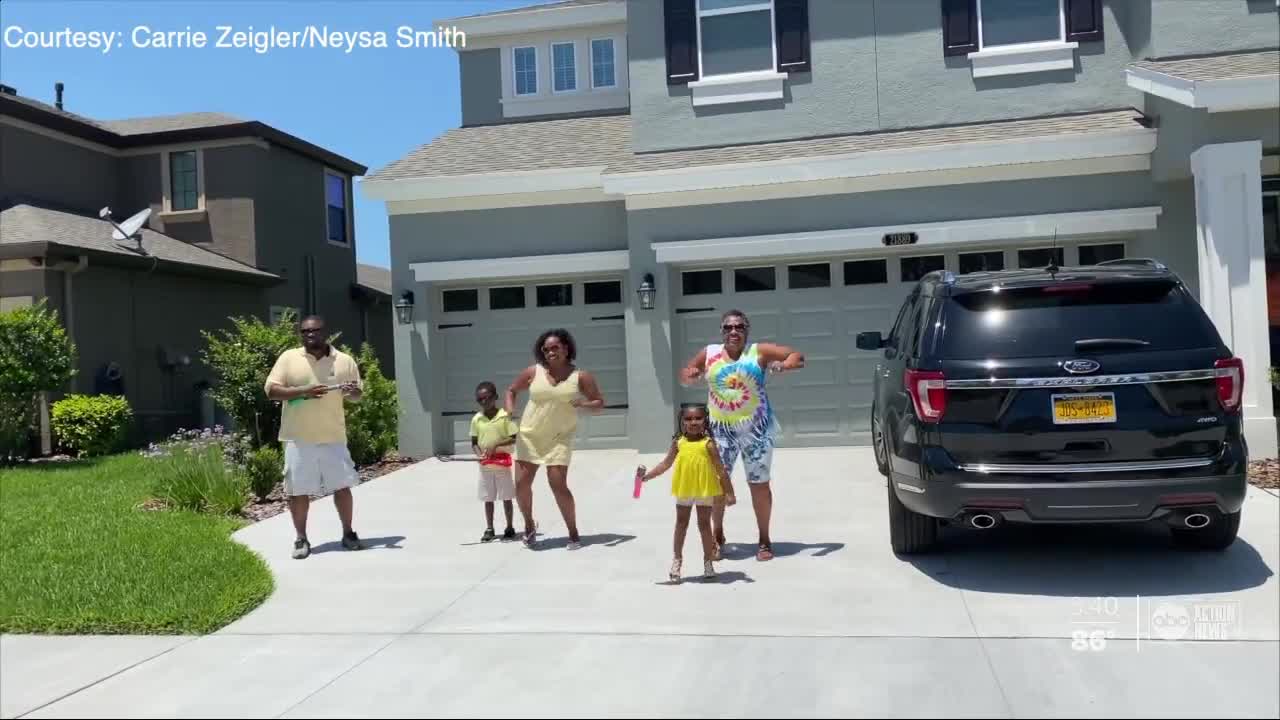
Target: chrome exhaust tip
[(1195, 521), (982, 521)]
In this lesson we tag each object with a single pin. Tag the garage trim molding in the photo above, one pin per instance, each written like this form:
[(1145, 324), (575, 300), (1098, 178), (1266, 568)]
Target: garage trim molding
[(1031, 228), (520, 267)]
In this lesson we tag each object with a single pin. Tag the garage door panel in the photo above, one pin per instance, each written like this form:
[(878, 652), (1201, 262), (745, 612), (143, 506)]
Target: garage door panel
[(811, 325), (860, 370)]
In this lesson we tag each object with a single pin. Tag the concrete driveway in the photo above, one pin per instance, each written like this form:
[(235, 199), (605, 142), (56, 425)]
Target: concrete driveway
[(429, 622)]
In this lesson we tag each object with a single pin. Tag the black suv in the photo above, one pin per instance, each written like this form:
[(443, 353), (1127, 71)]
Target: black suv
[(1058, 395)]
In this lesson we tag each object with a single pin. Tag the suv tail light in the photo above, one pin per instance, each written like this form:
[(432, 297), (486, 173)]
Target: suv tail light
[(928, 390), (1230, 382)]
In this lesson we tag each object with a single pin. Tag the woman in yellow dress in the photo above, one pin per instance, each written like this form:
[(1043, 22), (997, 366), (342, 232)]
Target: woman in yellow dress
[(700, 479), (557, 391)]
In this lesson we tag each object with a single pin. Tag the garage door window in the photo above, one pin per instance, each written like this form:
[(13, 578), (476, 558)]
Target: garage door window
[(461, 300), (1094, 254), (981, 262), (914, 268), (755, 279), (701, 282), (866, 272), (555, 295), (813, 275), (602, 293), (506, 298), (1040, 257)]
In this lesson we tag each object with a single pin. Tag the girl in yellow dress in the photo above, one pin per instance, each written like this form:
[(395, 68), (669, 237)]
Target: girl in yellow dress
[(699, 479)]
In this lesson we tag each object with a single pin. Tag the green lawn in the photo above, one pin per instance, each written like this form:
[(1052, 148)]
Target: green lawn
[(78, 556)]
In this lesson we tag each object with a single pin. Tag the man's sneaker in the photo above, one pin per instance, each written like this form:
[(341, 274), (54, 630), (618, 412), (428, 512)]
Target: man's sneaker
[(509, 534), (351, 541), (301, 549), (489, 536)]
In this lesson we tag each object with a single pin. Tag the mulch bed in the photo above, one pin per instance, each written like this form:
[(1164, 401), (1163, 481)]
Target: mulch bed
[(1265, 474), (276, 503)]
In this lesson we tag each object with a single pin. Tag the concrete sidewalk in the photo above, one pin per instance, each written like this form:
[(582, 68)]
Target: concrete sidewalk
[(429, 622)]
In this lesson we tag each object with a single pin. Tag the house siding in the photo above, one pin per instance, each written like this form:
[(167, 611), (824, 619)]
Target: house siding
[(1184, 130), (33, 165), (1192, 27)]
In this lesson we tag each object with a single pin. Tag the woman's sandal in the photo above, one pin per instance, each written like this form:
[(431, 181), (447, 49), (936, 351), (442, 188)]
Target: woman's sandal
[(530, 537), (708, 570), (674, 574), (764, 553)]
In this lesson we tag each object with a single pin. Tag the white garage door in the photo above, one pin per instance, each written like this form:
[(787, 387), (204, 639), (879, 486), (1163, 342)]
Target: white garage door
[(818, 307), (487, 332)]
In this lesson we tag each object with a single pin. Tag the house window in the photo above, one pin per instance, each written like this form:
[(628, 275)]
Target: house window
[(755, 279), (184, 181), (866, 272), (1094, 254), (564, 68), (701, 282), (280, 312), (555, 295), (735, 36), (460, 300), (981, 262), (914, 268), (1020, 22), (812, 275), (602, 293), (1040, 258), (506, 298), (525, 60), (603, 74), (335, 200)]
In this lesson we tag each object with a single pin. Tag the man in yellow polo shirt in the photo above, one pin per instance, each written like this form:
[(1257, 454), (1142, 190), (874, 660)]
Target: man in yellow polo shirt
[(311, 382)]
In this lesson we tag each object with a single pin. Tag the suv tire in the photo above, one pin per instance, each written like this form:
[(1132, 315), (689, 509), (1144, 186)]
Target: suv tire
[(1218, 536), (879, 447), (909, 532)]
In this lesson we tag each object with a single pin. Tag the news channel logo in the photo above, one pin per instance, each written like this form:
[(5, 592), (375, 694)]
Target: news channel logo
[(1196, 620), (1100, 622)]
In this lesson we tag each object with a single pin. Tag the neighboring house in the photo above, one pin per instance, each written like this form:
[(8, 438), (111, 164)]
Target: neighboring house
[(806, 162), (246, 220)]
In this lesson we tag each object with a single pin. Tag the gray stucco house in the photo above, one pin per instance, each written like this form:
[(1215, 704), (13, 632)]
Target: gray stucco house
[(246, 220), (806, 161)]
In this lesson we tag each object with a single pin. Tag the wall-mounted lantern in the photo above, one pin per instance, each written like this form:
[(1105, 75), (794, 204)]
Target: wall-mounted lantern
[(404, 308), (647, 292)]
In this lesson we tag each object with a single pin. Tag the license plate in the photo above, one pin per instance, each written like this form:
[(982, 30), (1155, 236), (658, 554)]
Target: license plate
[(1076, 409)]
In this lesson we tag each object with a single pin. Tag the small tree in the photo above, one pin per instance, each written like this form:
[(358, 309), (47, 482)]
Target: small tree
[(36, 356), (372, 423), (241, 358)]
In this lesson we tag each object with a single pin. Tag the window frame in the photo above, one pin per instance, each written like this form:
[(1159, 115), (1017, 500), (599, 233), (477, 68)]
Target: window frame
[(699, 14), (166, 180), (1017, 255), (733, 275), (613, 61), (515, 71), (346, 207), (902, 279), (461, 288), (1124, 249), (1029, 44), (551, 66)]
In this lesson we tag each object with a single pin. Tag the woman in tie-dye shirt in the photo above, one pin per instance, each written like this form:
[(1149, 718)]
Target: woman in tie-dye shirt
[(742, 420)]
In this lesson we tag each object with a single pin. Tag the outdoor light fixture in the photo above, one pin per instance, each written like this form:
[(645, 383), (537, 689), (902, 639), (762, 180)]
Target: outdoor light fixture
[(647, 292), (404, 308)]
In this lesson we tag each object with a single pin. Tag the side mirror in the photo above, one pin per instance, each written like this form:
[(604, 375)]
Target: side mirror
[(870, 340)]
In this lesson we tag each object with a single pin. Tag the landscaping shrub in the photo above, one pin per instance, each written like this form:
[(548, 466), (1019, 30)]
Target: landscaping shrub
[(265, 469), (1275, 377), (241, 358), (372, 423), (92, 425), (203, 471), (35, 356)]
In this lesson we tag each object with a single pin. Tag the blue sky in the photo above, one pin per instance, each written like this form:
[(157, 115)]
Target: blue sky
[(372, 105)]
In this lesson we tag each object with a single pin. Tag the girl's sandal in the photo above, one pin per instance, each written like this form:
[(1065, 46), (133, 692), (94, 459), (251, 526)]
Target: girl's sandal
[(764, 553), (708, 571), (674, 574)]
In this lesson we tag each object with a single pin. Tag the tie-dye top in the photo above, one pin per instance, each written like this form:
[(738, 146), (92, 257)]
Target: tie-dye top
[(736, 396)]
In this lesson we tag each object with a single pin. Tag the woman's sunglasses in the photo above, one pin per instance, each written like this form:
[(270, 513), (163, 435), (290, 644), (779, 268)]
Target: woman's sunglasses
[(734, 327)]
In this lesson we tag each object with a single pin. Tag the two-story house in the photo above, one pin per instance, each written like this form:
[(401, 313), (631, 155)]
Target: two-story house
[(630, 170), (245, 220)]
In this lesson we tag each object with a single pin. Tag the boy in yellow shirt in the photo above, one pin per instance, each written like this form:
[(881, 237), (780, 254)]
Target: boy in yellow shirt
[(493, 433)]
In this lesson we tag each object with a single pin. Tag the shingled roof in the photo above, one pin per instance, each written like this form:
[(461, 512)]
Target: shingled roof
[(1217, 67)]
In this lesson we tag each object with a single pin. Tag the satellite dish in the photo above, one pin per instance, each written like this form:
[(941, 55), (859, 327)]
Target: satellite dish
[(130, 227)]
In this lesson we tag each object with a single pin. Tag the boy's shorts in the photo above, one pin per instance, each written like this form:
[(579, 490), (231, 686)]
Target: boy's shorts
[(496, 483)]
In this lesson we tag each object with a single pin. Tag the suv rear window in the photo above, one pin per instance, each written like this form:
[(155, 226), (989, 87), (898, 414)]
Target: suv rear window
[(1044, 321)]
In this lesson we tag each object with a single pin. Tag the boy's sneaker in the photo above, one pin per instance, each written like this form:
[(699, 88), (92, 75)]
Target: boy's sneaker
[(509, 534), (488, 536), (301, 549), (351, 541)]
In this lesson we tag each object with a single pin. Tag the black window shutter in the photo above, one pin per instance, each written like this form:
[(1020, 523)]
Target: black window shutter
[(1084, 20), (791, 18), (681, 27), (959, 27)]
